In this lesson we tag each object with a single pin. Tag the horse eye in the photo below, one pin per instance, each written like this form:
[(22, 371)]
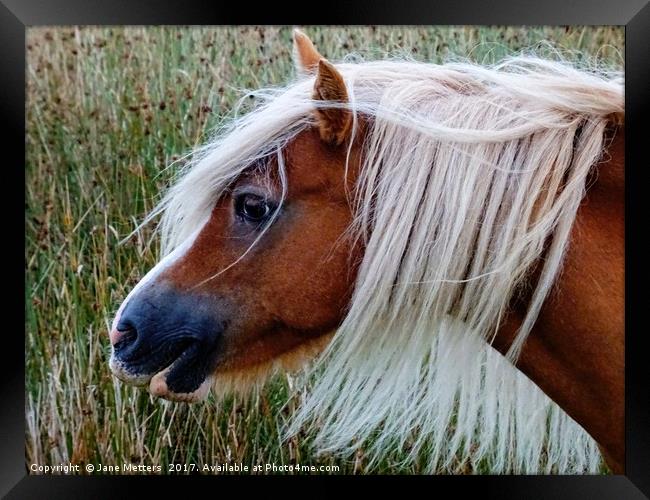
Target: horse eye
[(252, 207)]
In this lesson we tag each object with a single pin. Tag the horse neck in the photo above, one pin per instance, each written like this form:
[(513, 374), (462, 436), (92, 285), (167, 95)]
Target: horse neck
[(575, 352)]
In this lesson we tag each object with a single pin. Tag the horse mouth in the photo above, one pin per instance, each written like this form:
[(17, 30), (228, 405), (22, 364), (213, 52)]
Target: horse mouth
[(179, 371), (185, 369)]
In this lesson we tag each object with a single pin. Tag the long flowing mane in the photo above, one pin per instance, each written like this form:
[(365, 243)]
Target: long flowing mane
[(469, 175)]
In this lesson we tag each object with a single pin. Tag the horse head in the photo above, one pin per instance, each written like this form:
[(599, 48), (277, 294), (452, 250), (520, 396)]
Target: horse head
[(226, 303)]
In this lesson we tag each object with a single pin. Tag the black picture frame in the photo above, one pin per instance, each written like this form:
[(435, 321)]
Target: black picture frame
[(17, 15)]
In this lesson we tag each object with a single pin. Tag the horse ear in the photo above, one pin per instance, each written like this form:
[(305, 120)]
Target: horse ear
[(305, 55), (333, 123)]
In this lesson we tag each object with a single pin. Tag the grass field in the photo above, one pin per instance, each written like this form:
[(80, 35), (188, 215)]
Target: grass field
[(108, 109)]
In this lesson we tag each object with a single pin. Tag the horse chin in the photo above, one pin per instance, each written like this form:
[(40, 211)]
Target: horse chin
[(240, 376)]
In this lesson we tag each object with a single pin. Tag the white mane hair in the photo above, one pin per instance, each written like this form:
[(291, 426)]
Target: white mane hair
[(469, 175)]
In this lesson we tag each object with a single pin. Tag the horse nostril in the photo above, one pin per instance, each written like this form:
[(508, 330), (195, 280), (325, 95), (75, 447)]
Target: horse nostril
[(124, 324), (128, 333)]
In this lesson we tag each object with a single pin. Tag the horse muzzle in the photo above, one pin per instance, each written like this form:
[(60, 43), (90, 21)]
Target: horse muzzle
[(169, 340)]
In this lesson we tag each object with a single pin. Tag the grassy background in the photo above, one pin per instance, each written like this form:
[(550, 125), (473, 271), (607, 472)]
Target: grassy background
[(108, 109)]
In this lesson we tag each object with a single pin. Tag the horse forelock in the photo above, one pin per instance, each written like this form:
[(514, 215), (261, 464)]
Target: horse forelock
[(467, 172)]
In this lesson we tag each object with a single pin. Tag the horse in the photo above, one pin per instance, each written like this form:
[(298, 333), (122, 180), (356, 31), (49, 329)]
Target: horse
[(440, 247)]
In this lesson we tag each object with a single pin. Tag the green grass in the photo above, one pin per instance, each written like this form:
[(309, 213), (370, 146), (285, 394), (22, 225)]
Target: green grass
[(108, 109)]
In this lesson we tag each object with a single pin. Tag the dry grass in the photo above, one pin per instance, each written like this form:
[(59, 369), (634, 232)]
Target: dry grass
[(108, 110)]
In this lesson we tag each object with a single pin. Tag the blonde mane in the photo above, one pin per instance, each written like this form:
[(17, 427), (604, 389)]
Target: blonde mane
[(469, 174)]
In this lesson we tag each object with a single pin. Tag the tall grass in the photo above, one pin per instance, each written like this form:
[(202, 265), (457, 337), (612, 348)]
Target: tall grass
[(109, 109)]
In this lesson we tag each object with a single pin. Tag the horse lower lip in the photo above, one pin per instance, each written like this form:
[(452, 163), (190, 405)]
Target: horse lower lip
[(158, 387), (189, 370)]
